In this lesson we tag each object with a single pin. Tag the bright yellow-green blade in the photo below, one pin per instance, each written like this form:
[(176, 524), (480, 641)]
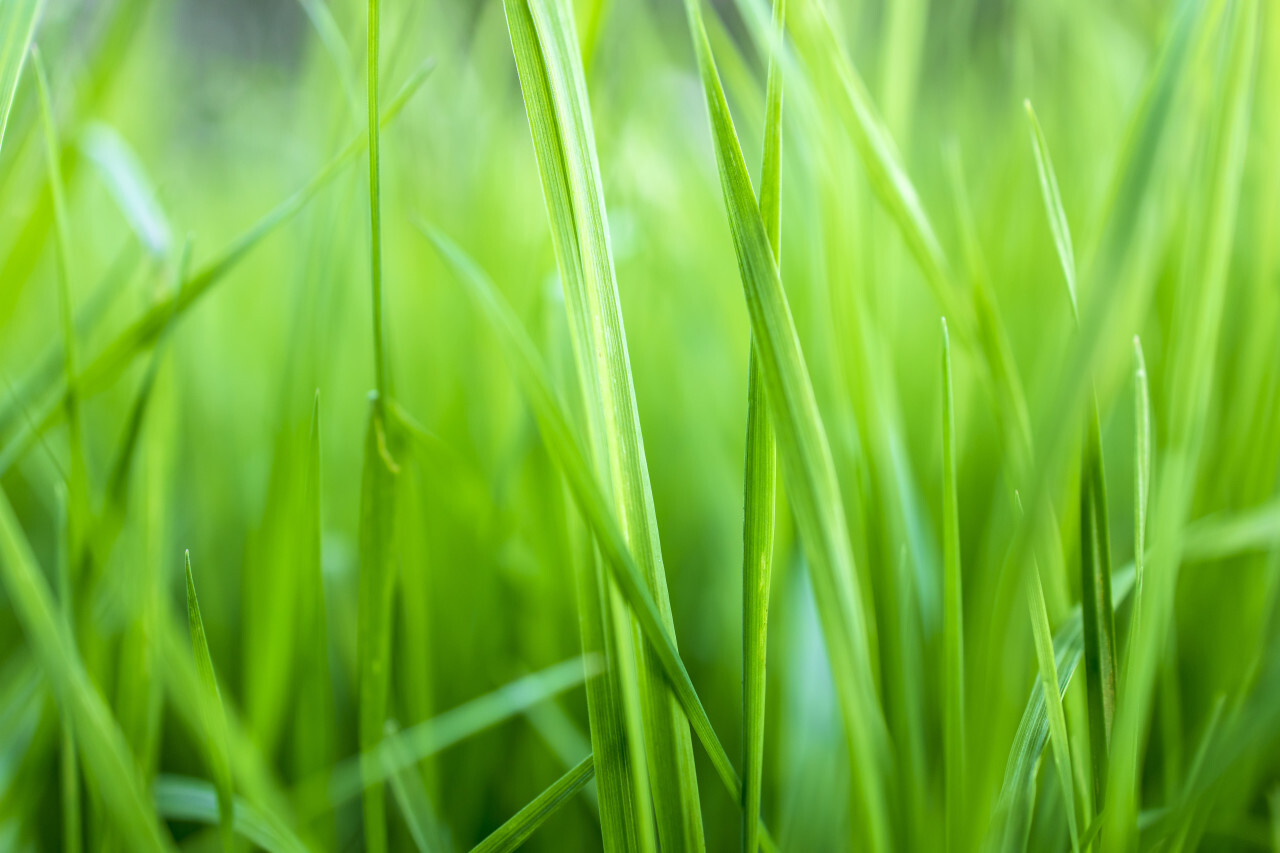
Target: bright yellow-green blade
[(17, 28), (1053, 206), (523, 823)]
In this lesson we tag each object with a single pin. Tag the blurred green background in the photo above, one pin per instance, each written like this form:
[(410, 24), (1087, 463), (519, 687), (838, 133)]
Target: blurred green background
[(223, 109)]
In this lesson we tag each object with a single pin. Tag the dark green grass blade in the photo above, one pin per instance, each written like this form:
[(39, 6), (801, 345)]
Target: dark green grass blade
[(215, 733), (760, 498), (181, 798), (566, 449), (411, 796), (546, 46), (143, 332), (952, 617), (102, 747), (523, 823), (376, 591), (1097, 610), (807, 465)]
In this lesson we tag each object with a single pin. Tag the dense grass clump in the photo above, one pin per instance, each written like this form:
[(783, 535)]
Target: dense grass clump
[(672, 425)]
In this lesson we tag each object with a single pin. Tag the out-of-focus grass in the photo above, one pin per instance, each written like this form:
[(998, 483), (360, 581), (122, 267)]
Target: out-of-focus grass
[(524, 586)]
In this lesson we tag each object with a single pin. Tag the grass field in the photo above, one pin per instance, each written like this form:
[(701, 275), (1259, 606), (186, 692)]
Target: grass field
[(637, 425)]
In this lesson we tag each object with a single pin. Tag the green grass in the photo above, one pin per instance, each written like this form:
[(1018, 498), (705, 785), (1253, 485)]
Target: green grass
[(582, 474)]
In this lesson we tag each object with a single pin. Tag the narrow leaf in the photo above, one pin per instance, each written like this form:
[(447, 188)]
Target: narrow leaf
[(215, 734), (127, 181), (513, 833), (952, 616), (1053, 206)]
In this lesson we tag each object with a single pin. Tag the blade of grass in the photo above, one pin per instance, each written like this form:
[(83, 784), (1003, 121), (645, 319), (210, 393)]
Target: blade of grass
[(17, 29), (525, 822), (69, 768), (952, 617), (127, 181), (411, 797), (375, 209), (543, 34), (568, 452), (760, 498), (142, 332), (182, 798), (375, 607), (1053, 205), (215, 733), (102, 747), (807, 465), (411, 745)]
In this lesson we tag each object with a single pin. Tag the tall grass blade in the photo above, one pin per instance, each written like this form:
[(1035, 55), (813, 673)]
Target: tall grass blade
[(568, 452), (523, 823), (807, 464), (378, 498), (215, 720), (953, 689), (760, 499), (375, 206), (106, 757), (548, 59)]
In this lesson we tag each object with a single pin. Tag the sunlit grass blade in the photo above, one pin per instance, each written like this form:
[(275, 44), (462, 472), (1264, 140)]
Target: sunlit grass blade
[(760, 498), (139, 335), (545, 42), (567, 450), (1053, 205), (185, 799), (378, 496), (411, 745), (953, 689), (807, 465), (215, 733), (17, 28), (523, 823), (106, 757), (127, 180), (375, 207)]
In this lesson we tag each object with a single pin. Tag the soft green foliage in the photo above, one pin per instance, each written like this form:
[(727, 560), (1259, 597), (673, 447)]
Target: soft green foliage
[(599, 412)]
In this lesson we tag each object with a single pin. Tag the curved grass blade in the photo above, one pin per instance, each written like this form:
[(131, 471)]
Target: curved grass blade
[(375, 211), (760, 501), (143, 332), (566, 450), (183, 798), (215, 720), (807, 464), (952, 616), (1053, 205), (102, 746), (127, 181), (523, 823)]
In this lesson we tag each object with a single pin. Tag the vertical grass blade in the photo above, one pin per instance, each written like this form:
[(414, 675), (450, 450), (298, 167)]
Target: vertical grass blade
[(106, 757), (568, 452), (375, 203), (373, 621), (760, 499), (523, 823), (807, 465), (549, 62), (952, 617), (1096, 608), (215, 720)]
